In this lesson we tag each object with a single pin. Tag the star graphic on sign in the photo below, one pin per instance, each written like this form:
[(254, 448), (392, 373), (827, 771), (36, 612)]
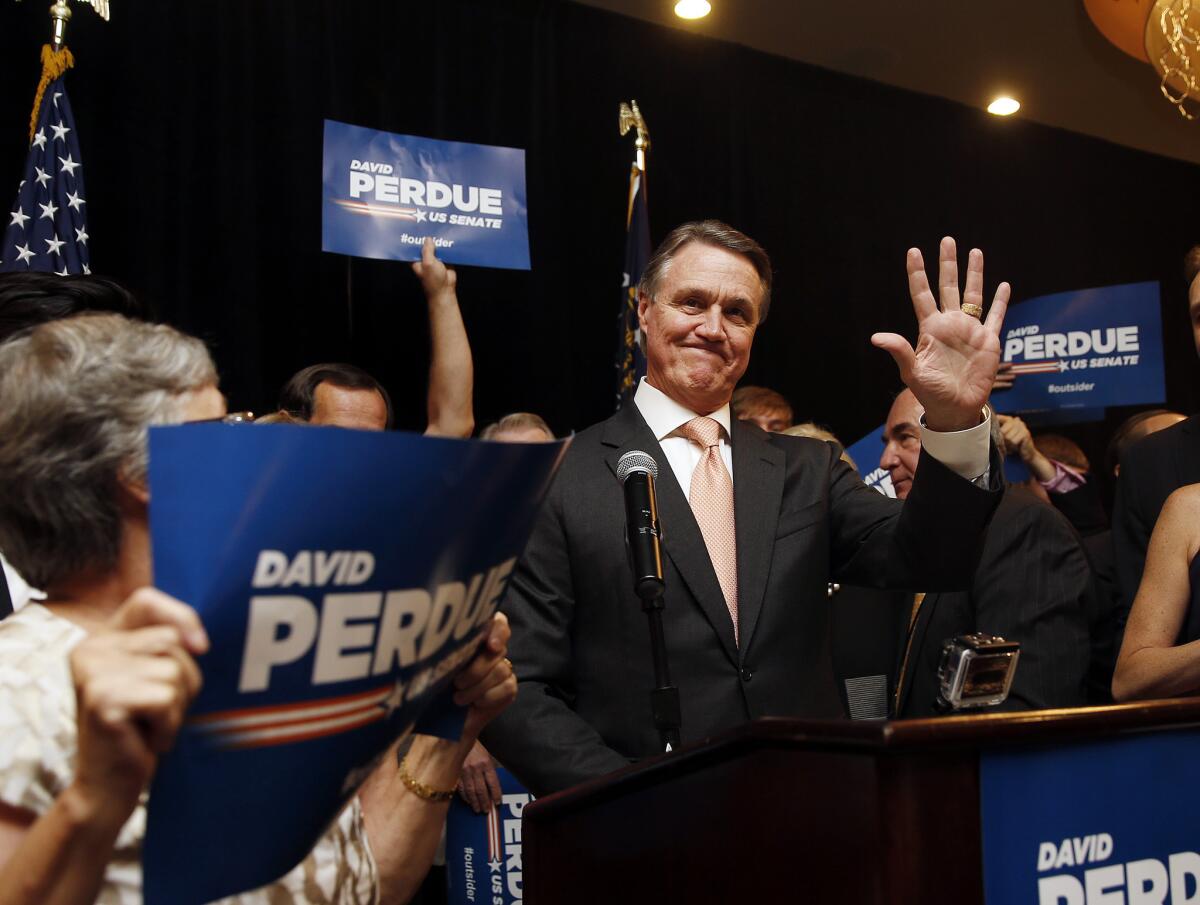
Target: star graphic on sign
[(42, 176), (18, 217), (420, 216), (394, 700), (48, 210), (57, 95), (23, 253), (54, 245), (74, 201), (60, 131), (39, 139), (68, 164), (87, 271), (62, 273), (81, 237), (1063, 366)]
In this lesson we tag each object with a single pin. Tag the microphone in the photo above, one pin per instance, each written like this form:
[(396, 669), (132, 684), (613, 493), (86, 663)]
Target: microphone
[(636, 471)]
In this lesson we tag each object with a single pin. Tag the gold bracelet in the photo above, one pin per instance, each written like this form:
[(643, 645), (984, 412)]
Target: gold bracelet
[(418, 788)]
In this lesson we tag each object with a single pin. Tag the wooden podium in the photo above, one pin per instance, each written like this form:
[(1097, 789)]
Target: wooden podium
[(782, 810)]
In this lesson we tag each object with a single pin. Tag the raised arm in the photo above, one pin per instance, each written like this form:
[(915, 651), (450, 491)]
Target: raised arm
[(451, 371), (1150, 664), (133, 683)]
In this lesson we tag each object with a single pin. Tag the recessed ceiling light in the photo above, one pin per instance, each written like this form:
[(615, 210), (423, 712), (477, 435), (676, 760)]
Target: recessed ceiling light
[(692, 9), (1004, 106)]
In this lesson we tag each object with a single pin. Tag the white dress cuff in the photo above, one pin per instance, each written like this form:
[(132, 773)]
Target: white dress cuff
[(966, 452)]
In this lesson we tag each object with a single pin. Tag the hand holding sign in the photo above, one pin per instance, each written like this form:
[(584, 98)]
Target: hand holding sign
[(956, 357), (436, 278), (488, 684), (133, 682)]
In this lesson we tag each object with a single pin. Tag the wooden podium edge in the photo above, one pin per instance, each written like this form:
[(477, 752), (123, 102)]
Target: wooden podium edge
[(1035, 727)]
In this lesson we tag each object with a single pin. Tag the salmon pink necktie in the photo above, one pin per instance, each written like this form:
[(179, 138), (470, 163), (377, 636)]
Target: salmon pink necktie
[(711, 497)]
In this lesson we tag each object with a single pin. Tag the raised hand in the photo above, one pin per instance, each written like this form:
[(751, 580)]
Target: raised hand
[(133, 683), (435, 276), (954, 365)]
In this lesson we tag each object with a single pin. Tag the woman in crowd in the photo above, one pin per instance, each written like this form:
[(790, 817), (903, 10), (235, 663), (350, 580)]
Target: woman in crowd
[(1160, 656), (96, 679)]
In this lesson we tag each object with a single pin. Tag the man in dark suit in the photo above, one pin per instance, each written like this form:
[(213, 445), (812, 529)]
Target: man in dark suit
[(1033, 585), (746, 607), (1150, 470)]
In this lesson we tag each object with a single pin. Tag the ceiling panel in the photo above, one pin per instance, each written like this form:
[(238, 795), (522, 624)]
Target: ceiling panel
[(1046, 53)]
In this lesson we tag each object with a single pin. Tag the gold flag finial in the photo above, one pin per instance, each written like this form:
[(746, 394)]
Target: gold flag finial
[(60, 14), (630, 117)]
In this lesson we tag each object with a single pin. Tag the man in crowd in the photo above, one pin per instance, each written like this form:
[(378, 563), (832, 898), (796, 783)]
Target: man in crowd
[(518, 427), (747, 574), (1152, 469), (339, 395), (766, 408), (1033, 585), (343, 395)]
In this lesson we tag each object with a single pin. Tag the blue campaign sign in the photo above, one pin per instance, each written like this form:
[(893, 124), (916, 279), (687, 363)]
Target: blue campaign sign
[(483, 851), (1105, 822), (343, 578), (1084, 350), (384, 193)]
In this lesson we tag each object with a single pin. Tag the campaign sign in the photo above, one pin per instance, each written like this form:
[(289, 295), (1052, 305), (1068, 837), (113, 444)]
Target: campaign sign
[(1111, 821), (385, 193), (1084, 350), (483, 851), (343, 578)]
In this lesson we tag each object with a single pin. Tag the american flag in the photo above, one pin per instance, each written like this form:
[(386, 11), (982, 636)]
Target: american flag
[(47, 227)]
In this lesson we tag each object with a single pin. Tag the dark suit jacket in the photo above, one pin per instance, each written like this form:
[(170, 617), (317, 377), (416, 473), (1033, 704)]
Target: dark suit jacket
[(868, 629), (1150, 471), (580, 643), (1033, 585)]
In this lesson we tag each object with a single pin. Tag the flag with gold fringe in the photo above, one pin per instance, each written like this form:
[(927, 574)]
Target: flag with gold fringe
[(47, 229), (631, 363)]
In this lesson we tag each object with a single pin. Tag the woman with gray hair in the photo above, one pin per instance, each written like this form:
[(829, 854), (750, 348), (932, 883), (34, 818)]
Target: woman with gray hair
[(95, 680)]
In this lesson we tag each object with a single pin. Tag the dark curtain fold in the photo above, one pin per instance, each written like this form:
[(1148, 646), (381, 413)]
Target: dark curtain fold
[(201, 132)]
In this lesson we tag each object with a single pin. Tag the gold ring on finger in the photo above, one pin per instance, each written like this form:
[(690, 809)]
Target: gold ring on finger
[(973, 310)]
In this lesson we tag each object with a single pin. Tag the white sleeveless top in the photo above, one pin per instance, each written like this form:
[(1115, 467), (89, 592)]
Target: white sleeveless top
[(37, 762)]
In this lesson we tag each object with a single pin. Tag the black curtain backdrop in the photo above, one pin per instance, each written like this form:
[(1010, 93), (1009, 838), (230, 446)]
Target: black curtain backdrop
[(201, 124)]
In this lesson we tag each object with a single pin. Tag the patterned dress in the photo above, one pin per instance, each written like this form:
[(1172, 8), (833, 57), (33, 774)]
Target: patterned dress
[(37, 761)]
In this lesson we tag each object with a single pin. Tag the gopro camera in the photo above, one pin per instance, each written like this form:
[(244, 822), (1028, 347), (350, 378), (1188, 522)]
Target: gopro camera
[(976, 671)]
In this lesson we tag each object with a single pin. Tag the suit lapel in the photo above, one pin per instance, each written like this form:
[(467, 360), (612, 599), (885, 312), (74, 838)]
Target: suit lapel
[(681, 537), (758, 477)]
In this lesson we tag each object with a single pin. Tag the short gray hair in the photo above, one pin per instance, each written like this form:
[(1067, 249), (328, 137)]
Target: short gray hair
[(76, 398), (719, 235), (517, 421)]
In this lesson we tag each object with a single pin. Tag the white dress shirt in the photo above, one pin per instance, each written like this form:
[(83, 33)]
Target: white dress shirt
[(665, 416), (963, 452)]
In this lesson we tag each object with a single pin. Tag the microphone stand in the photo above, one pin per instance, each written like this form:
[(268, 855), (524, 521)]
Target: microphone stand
[(664, 699)]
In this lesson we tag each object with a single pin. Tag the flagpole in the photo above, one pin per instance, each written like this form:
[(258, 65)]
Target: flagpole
[(60, 15), (630, 363), (630, 117)]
